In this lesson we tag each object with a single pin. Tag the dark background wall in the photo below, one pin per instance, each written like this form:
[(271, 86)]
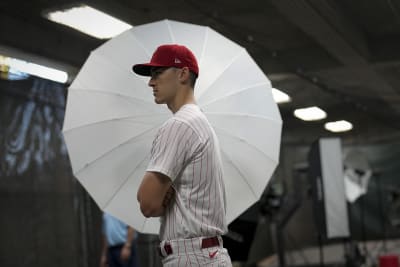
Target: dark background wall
[(47, 219)]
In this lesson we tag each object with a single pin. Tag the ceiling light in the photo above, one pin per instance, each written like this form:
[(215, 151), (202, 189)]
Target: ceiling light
[(16, 65), (338, 126), (8, 73), (89, 21), (310, 114), (279, 96)]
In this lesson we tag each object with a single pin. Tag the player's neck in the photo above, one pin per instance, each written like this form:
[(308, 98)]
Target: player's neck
[(185, 97)]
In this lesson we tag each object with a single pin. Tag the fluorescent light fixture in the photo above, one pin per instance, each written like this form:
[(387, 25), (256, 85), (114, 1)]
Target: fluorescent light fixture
[(17, 65), (279, 96), (310, 114), (89, 21), (338, 126)]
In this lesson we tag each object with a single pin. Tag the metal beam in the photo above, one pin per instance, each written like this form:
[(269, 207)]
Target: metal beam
[(19, 54), (46, 39), (328, 27)]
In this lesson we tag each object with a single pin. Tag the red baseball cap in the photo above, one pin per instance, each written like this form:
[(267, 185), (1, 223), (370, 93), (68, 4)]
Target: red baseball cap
[(169, 55)]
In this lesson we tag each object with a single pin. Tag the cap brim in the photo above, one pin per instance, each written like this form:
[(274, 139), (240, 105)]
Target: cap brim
[(144, 69), (141, 69)]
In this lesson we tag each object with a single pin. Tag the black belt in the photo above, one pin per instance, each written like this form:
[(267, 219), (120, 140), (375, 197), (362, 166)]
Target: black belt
[(205, 243)]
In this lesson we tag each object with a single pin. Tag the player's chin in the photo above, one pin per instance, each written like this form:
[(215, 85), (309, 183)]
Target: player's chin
[(159, 100)]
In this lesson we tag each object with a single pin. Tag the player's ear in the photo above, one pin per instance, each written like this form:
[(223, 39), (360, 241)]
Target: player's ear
[(184, 74)]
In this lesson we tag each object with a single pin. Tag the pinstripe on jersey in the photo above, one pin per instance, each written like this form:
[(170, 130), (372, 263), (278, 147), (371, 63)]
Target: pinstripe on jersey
[(186, 149)]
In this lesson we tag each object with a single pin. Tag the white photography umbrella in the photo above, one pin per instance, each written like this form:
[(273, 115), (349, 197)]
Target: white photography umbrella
[(357, 174), (111, 118)]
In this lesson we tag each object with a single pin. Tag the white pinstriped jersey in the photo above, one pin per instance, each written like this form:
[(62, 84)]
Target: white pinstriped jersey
[(186, 149)]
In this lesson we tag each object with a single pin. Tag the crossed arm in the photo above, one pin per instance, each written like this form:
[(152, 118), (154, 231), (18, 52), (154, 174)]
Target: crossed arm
[(154, 194)]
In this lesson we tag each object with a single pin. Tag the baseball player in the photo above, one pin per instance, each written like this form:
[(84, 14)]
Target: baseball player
[(183, 184)]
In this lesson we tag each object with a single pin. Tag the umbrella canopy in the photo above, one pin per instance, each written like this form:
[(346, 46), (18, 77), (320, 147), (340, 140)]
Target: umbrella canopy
[(357, 173), (111, 118)]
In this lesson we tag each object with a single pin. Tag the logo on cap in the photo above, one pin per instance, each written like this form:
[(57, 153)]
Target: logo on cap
[(177, 61)]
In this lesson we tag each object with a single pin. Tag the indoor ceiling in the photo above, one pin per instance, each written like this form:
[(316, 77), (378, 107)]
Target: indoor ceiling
[(340, 55)]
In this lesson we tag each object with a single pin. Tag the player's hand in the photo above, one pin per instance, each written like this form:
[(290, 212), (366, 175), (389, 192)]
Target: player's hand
[(103, 261), (168, 196), (125, 253)]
